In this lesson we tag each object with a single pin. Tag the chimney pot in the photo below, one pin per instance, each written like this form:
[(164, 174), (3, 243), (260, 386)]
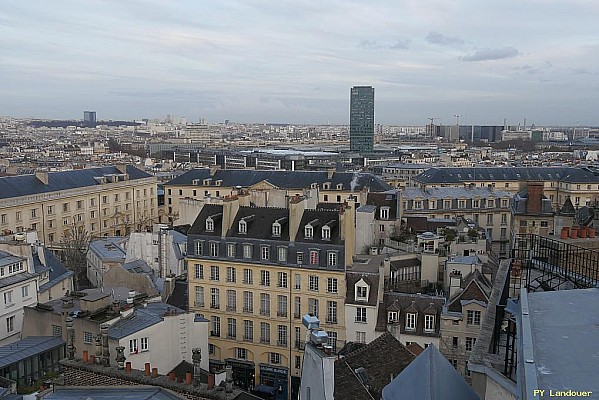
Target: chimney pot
[(85, 356), (171, 376), (188, 376), (154, 372), (147, 369), (128, 367)]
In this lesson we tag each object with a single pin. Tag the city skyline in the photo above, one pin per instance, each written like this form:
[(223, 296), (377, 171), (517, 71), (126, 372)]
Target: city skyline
[(285, 62)]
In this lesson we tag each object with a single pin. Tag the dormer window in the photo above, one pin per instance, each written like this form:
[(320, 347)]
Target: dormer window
[(276, 229), (243, 227), (326, 185), (429, 323), (392, 317), (308, 232), (209, 225), (361, 290), (326, 233), (384, 213), (340, 186)]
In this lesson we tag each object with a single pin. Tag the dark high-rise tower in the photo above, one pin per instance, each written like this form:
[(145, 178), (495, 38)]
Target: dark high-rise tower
[(89, 118), (361, 119)]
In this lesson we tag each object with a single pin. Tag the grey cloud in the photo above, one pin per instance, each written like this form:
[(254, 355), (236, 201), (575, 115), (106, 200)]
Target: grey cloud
[(401, 44), (442, 40), (491, 54)]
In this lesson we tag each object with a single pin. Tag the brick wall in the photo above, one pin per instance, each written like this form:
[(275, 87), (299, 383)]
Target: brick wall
[(77, 373)]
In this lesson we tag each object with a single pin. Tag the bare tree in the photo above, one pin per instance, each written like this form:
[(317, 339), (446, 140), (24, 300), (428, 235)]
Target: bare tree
[(75, 243)]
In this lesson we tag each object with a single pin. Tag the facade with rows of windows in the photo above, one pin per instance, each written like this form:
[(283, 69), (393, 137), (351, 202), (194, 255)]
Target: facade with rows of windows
[(254, 272)]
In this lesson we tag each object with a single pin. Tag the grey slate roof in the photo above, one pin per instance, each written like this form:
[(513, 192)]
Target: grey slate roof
[(17, 278), (429, 377), (7, 258), (453, 193), (109, 249), (112, 393), (24, 348), (58, 271), (141, 318), (24, 185), (283, 179), (459, 175)]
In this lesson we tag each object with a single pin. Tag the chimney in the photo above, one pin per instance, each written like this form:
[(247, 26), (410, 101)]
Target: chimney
[(196, 357), (105, 350), (535, 197), (122, 168), (98, 357), (70, 338), (230, 208), (229, 379), (330, 173), (347, 224), (297, 205), (120, 357), (42, 176)]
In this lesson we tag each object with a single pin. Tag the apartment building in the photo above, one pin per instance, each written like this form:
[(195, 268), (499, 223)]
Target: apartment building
[(581, 184), (255, 271), (532, 211), (270, 188), (106, 201), (489, 208)]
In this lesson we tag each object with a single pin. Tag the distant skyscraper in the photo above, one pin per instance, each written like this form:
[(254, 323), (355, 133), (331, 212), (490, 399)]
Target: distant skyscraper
[(361, 119), (89, 118)]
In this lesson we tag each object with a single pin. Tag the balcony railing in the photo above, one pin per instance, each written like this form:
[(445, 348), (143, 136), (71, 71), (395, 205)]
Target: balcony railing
[(361, 320), (281, 313), (215, 306), (333, 320), (231, 308), (265, 312), (248, 310), (282, 343), (300, 345)]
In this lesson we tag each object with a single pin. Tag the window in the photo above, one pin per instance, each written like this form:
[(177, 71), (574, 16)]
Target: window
[(248, 330), (298, 363), (297, 307), (247, 251), (332, 340), (282, 339), (199, 301), (392, 317), (282, 306), (231, 300), (361, 314), (8, 297), (384, 213), (470, 343), (300, 257), (275, 358), (214, 298), (265, 278), (313, 306), (34, 213), (264, 333), (144, 344), (410, 321), (209, 225), (241, 353), (313, 257), (544, 224), (18, 216), (332, 258), (215, 326), (503, 233), (313, 283), (276, 229), (429, 323), (326, 233), (56, 330), (455, 342), (473, 317), (231, 274), (298, 282), (231, 328), (4, 219), (503, 219), (25, 291), (214, 273), (213, 249), (133, 349), (489, 219), (331, 312), (265, 253), (243, 227), (198, 271), (282, 254), (88, 337), (362, 293), (308, 232), (248, 302), (461, 203), (248, 278), (264, 304), (199, 247), (231, 250), (360, 337), (332, 285), (282, 279)]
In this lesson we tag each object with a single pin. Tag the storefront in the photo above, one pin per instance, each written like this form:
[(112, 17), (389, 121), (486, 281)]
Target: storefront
[(276, 377), (243, 373)]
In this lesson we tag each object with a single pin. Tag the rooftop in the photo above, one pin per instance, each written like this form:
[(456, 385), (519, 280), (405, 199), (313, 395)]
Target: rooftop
[(25, 348)]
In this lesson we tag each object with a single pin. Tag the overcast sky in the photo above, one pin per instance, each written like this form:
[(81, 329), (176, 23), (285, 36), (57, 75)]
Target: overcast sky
[(295, 61)]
